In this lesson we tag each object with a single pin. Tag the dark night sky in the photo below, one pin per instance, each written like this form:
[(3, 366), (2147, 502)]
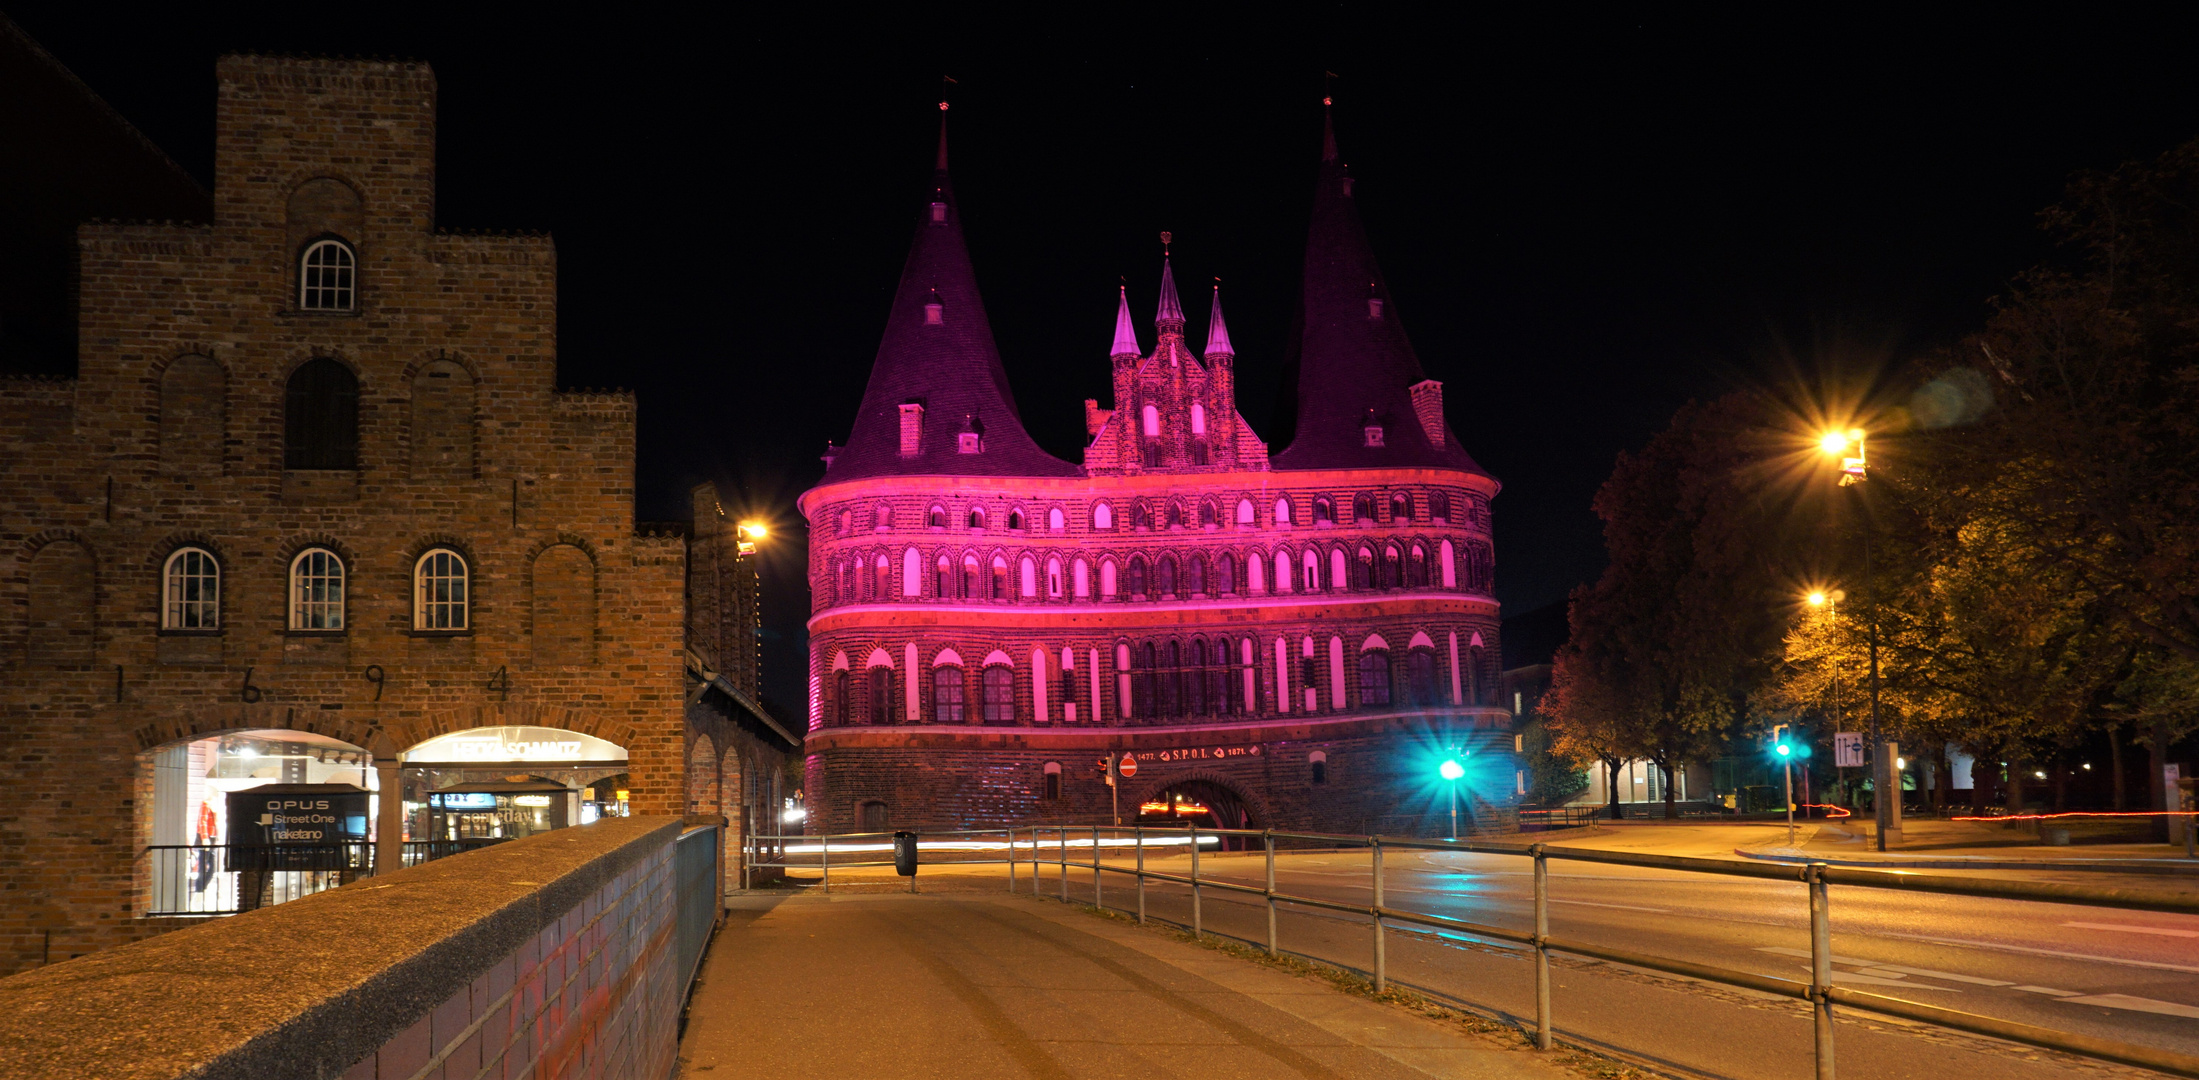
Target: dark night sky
[(1586, 220)]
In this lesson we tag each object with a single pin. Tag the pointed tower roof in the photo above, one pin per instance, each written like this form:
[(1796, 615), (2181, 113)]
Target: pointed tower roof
[(1169, 317), (1217, 331), (1354, 366), (938, 352), (1126, 332)]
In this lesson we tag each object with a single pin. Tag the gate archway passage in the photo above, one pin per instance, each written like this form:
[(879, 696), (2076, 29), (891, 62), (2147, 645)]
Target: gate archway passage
[(1203, 802)]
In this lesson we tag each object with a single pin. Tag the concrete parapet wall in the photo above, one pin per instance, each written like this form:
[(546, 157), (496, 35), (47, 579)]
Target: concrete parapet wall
[(554, 953)]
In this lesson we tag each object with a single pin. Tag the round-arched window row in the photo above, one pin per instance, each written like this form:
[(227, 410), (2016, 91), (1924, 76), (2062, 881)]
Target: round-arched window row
[(317, 591), (1434, 506)]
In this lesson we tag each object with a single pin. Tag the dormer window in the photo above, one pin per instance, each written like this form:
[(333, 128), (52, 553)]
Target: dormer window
[(1374, 431), (1374, 307), (326, 276), (934, 311), (939, 213), (1347, 187), (970, 442)]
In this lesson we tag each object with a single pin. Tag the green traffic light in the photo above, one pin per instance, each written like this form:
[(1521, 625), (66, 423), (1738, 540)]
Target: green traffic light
[(1451, 769), (1784, 750)]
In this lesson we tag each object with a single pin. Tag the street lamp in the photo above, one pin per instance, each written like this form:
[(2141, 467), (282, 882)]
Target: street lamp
[(1847, 446), (750, 532), (1451, 771)]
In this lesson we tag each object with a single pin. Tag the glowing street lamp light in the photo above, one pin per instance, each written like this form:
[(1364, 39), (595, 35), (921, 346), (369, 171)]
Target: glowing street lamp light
[(750, 532), (1855, 469), (1451, 770)]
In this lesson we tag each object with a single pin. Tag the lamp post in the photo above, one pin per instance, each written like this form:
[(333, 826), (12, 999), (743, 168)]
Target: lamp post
[(1451, 771), (1780, 747), (1855, 469)]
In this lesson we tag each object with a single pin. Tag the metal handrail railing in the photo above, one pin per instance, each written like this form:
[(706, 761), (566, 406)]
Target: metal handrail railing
[(1816, 877)]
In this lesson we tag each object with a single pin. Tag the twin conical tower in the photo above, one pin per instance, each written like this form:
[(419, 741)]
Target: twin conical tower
[(938, 401)]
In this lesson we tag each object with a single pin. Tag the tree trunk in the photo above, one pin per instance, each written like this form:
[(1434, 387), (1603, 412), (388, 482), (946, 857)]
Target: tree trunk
[(1611, 785), (2061, 785), (2115, 759), (1670, 812), (1982, 778), (2015, 786), (2158, 797)]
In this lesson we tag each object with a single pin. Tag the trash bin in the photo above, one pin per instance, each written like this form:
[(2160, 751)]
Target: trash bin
[(904, 853)]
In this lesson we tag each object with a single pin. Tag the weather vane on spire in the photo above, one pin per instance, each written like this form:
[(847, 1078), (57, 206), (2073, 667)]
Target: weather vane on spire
[(944, 82), (1166, 239)]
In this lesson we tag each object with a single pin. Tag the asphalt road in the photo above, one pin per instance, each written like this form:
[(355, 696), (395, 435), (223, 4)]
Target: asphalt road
[(2129, 976)]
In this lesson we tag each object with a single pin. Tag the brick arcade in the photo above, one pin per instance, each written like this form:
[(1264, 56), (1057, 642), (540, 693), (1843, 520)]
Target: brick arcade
[(1286, 638)]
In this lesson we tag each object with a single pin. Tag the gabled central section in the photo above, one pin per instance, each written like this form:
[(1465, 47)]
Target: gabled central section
[(1174, 411)]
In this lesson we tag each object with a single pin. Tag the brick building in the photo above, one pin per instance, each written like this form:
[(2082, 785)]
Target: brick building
[(314, 509), (1295, 638)]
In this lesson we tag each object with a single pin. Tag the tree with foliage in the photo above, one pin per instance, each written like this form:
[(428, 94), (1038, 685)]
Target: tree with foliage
[(1667, 644)]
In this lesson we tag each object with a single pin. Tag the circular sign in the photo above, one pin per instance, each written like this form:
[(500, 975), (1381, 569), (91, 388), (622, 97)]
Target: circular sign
[(1127, 767)]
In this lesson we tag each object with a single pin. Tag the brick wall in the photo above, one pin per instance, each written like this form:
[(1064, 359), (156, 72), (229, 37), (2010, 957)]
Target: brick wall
[(173, 434)]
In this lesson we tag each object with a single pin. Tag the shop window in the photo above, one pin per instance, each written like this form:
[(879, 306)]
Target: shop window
[(316, 590), (1000, 694), (947, 695), (439, 593), (191, 591), (321, 417)]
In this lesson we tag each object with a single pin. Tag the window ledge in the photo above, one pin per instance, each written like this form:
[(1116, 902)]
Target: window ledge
[(440, 633), (180, 633), (323, 634)]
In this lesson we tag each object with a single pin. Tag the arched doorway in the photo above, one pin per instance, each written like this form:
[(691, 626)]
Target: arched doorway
[(1203, 802), (489, 784), (249, 818)]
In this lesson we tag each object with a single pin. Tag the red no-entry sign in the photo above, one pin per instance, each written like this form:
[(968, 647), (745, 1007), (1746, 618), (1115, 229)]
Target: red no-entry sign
[(1127, 767)]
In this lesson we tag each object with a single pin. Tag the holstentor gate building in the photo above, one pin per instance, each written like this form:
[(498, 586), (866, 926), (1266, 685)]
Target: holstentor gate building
[(1291, 637)]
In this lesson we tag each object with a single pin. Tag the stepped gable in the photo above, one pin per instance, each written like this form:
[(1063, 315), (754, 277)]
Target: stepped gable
[(1354, 366), (938, 353)]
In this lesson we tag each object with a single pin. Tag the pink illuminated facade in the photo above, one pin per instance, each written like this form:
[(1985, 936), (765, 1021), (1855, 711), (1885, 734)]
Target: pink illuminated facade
[(1290, 638)]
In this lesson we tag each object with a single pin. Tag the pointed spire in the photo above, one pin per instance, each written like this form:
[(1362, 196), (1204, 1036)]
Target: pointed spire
[(1170, 316), (1352, 358), (1217, 331), (937, 358), (942, 166), (1328, 133), (1126, 332)]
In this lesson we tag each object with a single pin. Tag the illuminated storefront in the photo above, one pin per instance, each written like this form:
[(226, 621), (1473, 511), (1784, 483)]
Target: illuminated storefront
[(495, 783), (197, 785)]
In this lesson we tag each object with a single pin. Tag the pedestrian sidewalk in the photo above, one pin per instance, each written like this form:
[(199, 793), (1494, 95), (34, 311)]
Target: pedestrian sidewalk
[(978, 987)]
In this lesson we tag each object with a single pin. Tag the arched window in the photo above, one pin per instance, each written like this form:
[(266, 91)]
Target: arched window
[(439, 591), (327, 276), (1246, 515), (1374, 679), (190, 591), (1055, 521), (1053, 579), (1107, 577), (1015, 519), (1052, 788), (1164, 575), (1282, 513), (1420, 677), (912, 572), (1225, 575), (1449, 564), (1207, 513), (1363, 570), (1137, 575), (1146, 680), (1362, 508), (936, 518), (321, 417), (1150, 421), (1198, 418), (847, 518), (1393, 569), (1256, 574), (843, 685), (1324, 511), (1103, 518), (973, 578), (1175, 515), (1218, 681), (1416, 568), (1439, 506), (1318, 764), (881, 516), (1080, 579), (943, 579), (881, 578), (947, 694), (977, 517), (316, 590), (1401, 507), (1028, 571), (881, 695), (1000, 579), (1194, 679), (1194, 575), (1000, 694), (1141, 515), (1313, 571)]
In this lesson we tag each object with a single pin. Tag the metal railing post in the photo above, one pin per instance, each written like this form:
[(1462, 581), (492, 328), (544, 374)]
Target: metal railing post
[(1065, 864), (1381, 964), (1139, 831), (1821, 966), (1096, 868), (824, 860), (1011, 861), (1268, 835), (1198, 926), (1542, 949)]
